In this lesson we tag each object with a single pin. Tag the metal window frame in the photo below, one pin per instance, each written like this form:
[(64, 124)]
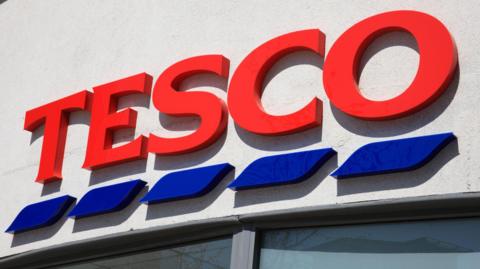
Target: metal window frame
[(245, 229)]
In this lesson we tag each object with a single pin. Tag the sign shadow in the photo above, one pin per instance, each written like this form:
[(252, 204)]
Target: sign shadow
[(286, 192), (401, 180)]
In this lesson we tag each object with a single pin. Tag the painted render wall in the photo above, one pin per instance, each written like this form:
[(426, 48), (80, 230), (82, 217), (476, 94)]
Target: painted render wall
[(51, 49)]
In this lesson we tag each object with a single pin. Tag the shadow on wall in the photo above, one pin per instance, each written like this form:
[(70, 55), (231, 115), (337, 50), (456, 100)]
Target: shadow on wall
[(400, 180), (286, 192), (405, 124), (113, 172), (39, 234), (292, 141), (387, 40), (173, 162), (51, 187)]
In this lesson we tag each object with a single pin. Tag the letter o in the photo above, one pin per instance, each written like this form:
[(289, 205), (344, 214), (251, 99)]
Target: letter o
[(438, 61)]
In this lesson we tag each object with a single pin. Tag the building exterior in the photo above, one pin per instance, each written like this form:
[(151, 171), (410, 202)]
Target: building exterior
[(384, 176)]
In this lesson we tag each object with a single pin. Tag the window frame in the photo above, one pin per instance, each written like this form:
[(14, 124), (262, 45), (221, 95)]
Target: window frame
[(246, 229), (142, 251)]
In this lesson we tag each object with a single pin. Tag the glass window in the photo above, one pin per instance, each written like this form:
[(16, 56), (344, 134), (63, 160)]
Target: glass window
[(452, 244), (205, 255)]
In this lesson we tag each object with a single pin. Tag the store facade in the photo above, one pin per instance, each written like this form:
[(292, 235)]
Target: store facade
[(308, 134)]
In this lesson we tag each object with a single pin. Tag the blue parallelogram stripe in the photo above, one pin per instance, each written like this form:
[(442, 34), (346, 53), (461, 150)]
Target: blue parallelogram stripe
[(40, 214), (393, 156), (281, 169), (107, 199), (186, 184)]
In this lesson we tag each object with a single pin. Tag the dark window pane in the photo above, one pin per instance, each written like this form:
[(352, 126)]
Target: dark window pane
[(205, 255), (452, 244)]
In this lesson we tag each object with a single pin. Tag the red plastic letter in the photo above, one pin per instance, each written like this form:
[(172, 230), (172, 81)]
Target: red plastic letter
[(245, 89), (438, 61), (211, 109), (105, 119), (55, 117)]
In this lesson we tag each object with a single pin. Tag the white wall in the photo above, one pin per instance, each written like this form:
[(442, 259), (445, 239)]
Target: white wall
[(50, 49)]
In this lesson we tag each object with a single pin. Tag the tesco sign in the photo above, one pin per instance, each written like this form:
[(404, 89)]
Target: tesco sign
[(438, 61)]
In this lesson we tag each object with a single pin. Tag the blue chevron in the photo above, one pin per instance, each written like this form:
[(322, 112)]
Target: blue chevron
[(40, 214), (281, 169), (107, 199), (393, 156), (187, 183)]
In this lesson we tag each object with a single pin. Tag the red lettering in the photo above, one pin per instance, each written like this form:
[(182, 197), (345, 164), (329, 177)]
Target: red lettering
[(211, 109), (105, 120), (245, 89), (55, 117), (438, 60)]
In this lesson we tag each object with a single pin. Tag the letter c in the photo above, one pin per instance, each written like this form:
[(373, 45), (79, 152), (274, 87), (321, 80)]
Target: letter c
[(245, 89)]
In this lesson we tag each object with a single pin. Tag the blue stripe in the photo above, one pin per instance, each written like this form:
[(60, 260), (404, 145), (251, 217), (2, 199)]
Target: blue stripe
[(187, 183), (40, 214), (281, 169), (393, 156), (107, 199)]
